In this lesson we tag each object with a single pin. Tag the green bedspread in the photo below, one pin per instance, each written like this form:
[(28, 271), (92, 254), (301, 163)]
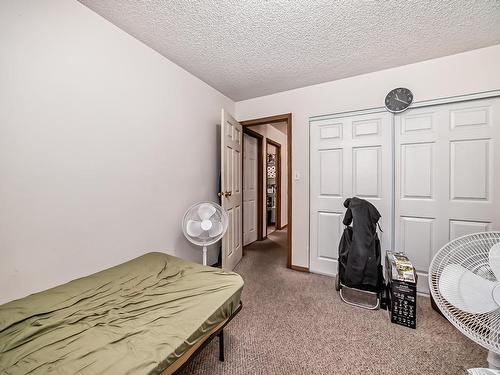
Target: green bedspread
[(135, 318)]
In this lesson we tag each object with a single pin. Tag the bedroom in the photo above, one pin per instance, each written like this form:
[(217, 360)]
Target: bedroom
[(108, 133)]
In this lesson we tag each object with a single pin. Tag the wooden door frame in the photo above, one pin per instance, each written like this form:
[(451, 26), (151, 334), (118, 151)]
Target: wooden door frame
[(287, 117), (260, 181), (277, 221)]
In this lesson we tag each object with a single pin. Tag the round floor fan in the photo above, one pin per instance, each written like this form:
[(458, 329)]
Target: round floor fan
[(464, 280), (204, 224)]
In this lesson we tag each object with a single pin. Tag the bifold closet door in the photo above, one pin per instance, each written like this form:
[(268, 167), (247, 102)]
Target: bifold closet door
[(349, 156), (447, 175)]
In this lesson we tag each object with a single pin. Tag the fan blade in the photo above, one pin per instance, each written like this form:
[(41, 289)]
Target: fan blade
[(193, 228), (467, 291), (206, 211), (494, 257), (216, 229)]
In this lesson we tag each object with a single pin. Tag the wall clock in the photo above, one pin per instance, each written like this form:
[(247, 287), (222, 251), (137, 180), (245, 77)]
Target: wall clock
[(398, 100)]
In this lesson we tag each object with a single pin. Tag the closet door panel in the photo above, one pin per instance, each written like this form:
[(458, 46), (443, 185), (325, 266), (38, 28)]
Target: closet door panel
[(326, 193), (446, 158), (349, 156)]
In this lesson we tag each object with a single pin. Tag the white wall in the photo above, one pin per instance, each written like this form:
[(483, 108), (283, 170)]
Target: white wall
[(269, 131), (464, 73), (103, 145)]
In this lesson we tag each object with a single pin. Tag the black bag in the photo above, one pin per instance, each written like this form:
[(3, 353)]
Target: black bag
[(344, 247), (359, 249)]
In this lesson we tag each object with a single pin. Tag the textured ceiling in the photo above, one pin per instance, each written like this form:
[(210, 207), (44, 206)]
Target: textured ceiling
[(249, 48)]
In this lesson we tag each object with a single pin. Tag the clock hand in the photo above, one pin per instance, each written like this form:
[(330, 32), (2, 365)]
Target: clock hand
[(402, 101)]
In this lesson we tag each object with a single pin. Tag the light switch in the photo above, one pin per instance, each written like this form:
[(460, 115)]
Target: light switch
[(297, 175)]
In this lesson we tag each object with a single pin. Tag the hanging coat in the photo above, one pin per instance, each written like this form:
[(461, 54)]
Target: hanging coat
[(362, 256)]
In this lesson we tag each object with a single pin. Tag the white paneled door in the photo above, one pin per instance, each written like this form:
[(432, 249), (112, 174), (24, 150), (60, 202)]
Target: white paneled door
[(447, 180), (350, 156), (250, 150), (231, 168)]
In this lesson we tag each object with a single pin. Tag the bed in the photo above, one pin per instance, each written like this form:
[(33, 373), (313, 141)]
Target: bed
[(146, 316)]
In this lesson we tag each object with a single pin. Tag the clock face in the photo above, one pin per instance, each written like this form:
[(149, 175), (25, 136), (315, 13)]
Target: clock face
[(398, 100)]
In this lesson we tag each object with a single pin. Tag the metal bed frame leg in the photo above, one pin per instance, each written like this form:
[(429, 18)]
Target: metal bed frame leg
[(221, 345), (219, 334)]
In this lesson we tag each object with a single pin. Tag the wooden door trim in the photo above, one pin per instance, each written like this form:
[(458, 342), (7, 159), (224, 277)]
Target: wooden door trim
[(274, 143), (287, 117), (267, 120), (260, 182), (299, 268)]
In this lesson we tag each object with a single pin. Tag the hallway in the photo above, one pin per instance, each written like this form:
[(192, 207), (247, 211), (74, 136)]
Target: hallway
[(295, 323)]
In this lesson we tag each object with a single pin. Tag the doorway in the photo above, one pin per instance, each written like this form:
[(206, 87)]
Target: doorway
[(273, 190), (273, 186), (253, 175)]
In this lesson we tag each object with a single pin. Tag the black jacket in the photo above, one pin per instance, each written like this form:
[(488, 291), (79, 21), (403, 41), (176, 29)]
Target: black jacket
[(359, 249)]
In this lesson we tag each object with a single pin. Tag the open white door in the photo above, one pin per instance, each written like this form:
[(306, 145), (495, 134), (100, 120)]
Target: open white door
[(231, 194)]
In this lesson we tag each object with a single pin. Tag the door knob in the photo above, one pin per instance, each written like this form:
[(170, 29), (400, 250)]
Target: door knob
[(220, 194), (228, 193)]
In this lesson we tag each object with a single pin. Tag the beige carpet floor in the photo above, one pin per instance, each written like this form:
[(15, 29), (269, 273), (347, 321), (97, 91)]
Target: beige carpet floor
[(295, 323)]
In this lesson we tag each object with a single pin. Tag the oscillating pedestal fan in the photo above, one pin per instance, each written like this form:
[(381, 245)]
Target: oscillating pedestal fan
[(464, 280), (204, 224)]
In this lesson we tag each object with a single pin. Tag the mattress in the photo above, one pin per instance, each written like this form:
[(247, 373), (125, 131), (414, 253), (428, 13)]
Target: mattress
[(135, 318)]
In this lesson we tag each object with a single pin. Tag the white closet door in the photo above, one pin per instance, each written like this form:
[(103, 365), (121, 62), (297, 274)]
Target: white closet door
[(349, 156), (250, 150), (447, 177)]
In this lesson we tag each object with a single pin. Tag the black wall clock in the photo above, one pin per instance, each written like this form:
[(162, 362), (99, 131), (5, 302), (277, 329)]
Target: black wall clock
[(398, 100)]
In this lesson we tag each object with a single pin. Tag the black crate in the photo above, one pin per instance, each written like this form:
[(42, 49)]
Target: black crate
[(403, 303), (402, 298)]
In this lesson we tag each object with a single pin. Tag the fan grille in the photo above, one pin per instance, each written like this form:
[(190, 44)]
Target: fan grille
[(470, 251), (204, 239)]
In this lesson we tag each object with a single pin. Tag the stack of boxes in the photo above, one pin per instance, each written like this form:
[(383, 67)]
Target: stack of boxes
[(402, 289)]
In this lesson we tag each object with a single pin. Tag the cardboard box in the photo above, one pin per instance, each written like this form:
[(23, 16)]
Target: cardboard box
[(401, 289)]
